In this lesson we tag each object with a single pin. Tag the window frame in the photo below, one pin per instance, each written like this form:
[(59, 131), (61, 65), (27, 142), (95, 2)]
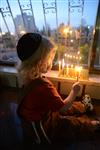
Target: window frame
[(92, 69), (92, 51)]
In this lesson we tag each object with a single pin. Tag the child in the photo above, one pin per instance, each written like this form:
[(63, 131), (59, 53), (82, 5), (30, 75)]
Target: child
[(41, 105)]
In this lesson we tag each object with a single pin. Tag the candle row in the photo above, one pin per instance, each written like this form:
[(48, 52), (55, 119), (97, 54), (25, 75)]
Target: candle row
[(70, 67), (69, 70), (73, 57)]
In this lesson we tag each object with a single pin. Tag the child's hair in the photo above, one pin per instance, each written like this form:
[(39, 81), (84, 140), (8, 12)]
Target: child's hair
[(36, 53)]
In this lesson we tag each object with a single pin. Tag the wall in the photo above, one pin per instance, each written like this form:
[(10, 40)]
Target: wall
[(93, 90)]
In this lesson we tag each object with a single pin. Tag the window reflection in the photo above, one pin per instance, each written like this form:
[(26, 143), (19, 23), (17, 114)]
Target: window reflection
[(95, 51), (97, 58), (69, 23)]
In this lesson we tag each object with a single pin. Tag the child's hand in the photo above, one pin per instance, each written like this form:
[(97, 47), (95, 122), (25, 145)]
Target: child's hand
[(76, 88)]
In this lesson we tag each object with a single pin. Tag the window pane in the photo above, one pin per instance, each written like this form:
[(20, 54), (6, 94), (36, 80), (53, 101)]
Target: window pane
[(97, 59), (70, 23), (96, 43), (76, 35)]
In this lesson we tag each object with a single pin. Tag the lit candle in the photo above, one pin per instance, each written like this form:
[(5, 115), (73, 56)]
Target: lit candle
[(59, 66), (65, 55), (67, 69), (71, 70), (78, 52), (70, 56), (80, 68), (78, 71), (78, 58), (63, 66), (63, 63)]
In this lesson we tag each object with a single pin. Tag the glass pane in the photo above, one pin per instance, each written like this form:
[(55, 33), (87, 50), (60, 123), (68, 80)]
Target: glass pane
[(70, 23), (76, 35), (96, 44), (97, 58)]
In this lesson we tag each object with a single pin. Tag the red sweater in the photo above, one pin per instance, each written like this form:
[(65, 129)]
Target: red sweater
[(40, 99)]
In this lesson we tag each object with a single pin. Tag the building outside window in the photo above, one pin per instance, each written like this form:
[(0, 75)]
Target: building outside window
[(95, 50), (73, 24)]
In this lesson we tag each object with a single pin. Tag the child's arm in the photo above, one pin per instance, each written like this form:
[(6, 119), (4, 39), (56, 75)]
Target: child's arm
[(71, 97)]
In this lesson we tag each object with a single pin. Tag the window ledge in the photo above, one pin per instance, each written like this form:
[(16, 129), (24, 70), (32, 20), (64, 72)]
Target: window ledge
[(53, 75), (93, 78), (8, 70)]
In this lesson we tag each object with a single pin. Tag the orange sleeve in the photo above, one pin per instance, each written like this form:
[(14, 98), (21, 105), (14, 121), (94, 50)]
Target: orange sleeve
[(53, 100)]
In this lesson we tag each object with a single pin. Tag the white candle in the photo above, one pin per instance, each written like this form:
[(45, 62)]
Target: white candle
[(63, 63), (78, 71), (67, 69), (59, 66), (80, 68), (78, 58)]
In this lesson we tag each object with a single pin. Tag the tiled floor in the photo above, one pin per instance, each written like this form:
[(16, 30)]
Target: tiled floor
[(11, 133), (10, 127)]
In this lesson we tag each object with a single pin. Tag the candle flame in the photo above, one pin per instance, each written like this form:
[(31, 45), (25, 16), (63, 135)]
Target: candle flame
[(78, 68), (63, 63)]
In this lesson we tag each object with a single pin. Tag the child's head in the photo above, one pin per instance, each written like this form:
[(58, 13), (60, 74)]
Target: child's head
[(36, 53)]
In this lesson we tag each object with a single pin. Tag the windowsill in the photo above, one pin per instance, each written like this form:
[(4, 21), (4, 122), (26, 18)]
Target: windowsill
[(8, 70), (93, 78), (53, 75), (7, 63)]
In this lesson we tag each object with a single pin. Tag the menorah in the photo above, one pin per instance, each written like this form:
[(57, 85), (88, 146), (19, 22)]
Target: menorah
[(70, 67)]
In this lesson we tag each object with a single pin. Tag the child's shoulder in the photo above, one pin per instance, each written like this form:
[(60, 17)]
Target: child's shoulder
[(45, 81)]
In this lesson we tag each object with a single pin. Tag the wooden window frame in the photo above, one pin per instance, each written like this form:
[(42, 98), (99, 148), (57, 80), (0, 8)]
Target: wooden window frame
[(92, 69)]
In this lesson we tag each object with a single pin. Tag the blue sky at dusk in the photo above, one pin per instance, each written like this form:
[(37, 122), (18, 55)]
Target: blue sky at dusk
[(89, 14)]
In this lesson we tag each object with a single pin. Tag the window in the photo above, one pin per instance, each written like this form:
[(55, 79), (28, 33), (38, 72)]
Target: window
[(70, 23), (95, 51)]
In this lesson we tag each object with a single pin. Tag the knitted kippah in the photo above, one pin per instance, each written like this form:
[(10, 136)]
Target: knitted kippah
[(27, 45)]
